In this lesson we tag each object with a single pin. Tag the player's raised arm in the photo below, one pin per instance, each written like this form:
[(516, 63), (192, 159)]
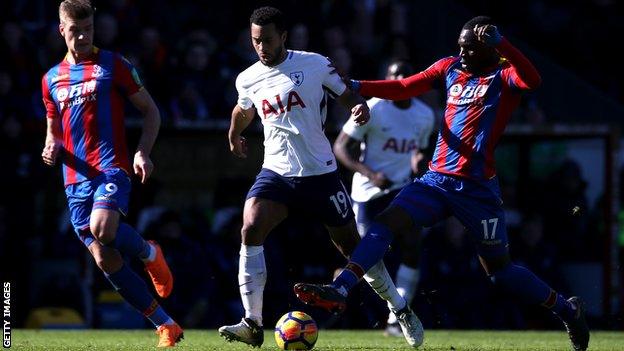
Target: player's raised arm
[(241, 118), (142, 163), (524, 74)]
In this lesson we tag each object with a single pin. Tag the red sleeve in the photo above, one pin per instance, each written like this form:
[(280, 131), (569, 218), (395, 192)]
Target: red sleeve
[(521, 74), (407, 87), (126, 76), (50, 106)]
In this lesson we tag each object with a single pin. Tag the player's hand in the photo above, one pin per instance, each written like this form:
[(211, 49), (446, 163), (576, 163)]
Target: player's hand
[(360, 114), (143, 166), (488, 34), (379, 180), (50, 151), (238, 146)]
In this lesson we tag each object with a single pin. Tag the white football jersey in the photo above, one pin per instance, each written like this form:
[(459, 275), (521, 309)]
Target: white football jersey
[(388, 141), (291, 101)]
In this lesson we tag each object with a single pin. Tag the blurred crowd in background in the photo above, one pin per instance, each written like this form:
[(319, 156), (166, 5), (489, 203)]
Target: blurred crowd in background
[(188, 54)]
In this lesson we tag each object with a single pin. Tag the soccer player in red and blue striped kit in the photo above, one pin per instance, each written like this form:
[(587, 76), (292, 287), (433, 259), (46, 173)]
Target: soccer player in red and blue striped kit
[(483, 86), (84, 100)]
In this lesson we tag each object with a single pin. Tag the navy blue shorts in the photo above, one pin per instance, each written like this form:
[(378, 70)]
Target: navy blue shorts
[(366, 211), (476, 204), (323, 196), (109, 190)]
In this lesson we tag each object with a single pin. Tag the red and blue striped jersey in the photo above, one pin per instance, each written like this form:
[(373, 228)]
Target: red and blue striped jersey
[(478, 108), (88, 97)]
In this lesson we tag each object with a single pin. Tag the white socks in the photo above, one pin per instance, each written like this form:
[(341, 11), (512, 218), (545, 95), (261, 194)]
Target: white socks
[(251, 280), (379, 279), (406, 281)]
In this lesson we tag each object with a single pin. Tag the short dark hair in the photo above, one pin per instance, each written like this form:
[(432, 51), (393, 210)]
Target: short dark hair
[(480, 20), (76, 9), (266, 15)]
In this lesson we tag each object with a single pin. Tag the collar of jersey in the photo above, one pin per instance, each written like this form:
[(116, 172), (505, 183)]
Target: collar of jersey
[(489, 69), (94, 52)]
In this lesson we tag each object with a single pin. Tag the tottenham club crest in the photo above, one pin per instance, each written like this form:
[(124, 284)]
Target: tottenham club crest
[(297, 77)]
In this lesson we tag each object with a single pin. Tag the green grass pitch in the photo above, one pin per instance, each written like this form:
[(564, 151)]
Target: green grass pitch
[(329, 340)]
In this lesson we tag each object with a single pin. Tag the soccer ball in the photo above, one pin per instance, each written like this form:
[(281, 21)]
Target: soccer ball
[(296, 331)]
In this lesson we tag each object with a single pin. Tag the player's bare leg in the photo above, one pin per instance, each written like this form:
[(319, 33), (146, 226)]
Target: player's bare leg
[(260, 216), (345, 238), (107, 259), (103, 225)]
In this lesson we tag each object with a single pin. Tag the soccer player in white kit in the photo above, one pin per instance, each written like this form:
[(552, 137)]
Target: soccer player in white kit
[(288, 89), (390, 147)]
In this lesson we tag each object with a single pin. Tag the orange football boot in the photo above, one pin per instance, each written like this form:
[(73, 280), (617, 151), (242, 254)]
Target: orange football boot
[(169, 335), (160, 273)]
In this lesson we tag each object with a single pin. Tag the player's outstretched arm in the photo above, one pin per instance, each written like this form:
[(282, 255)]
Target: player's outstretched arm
[(142, 164), (359, 109), (240, 120), (53, 141), (400, 89)]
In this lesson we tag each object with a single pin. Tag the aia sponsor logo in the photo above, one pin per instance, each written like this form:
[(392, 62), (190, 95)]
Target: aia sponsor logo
[(277, 105), (461, 95), (400, 146)]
